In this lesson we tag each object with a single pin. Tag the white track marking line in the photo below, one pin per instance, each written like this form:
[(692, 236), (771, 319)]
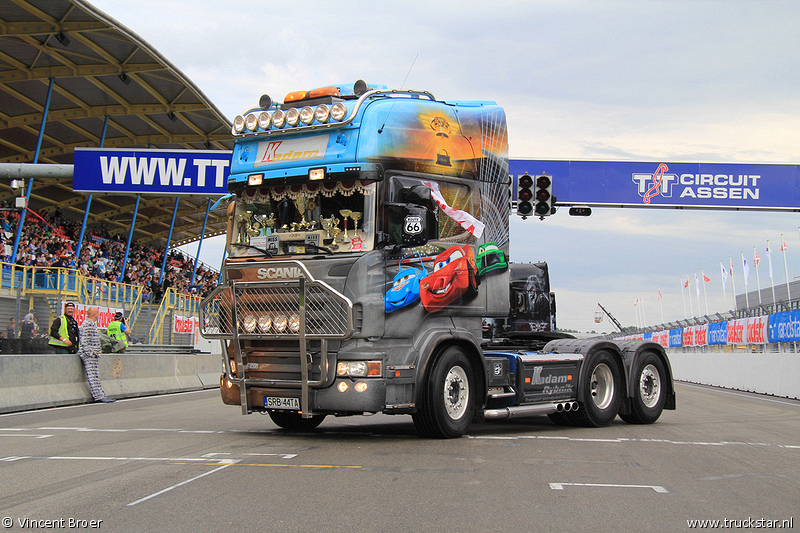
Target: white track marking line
[(657, 488), (140, 500)]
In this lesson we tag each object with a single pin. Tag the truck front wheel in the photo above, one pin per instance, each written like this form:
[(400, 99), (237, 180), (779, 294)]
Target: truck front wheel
[(294, 421), (448, 400), (603, 389), (648, 398)]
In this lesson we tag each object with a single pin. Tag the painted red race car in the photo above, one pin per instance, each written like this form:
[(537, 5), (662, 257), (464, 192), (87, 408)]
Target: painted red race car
[(454, 275)]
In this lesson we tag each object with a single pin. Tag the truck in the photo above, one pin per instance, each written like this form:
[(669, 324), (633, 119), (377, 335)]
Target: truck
[(367, 243)]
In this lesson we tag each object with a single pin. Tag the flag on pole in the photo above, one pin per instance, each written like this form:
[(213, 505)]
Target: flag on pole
[(769, 256), (756, 259), (659, 294), (724, 275), (746, 268), (706, 278), (697, 286), (686, 285), (783, 245)]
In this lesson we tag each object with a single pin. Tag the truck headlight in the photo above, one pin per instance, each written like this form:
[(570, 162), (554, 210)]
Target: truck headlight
[(322, 113), (251, 121), (249, 323), (307, 115), (294, 323), (264, 120), (279, 323), (264, 323), (238, 124), (293, 116), (358, 368), (278, 118), (338, 111)]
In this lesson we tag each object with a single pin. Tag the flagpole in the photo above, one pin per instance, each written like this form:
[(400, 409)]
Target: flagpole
[(697, 290), (636, 311), (733, 284), (683, 299), (705, 292), (724, 294), (744, 275), (771, 280), (786, 270), (661, 305), (644, 316), (691, 307), (758, 280)]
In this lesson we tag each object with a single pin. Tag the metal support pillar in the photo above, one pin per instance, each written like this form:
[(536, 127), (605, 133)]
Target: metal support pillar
[(200, 242), (169, 238), (35, 161), (130, 236)]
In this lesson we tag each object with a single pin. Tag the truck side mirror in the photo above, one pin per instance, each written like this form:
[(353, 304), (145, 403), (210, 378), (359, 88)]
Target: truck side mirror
[(412, 224)]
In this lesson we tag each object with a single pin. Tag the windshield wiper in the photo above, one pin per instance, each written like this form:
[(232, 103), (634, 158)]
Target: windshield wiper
[(243, 245)]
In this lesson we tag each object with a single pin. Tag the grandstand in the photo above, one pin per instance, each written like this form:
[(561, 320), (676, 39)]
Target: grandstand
[(71, 76)]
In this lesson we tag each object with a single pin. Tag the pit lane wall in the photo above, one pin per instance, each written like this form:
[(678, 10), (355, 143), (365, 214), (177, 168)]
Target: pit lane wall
[(35, 381), (756, 354)]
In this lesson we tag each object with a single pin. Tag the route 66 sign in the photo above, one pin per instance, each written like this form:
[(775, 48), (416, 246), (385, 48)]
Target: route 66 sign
[(412, 225)]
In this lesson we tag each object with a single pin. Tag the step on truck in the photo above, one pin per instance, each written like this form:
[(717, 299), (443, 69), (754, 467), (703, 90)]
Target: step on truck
[(367, 241)]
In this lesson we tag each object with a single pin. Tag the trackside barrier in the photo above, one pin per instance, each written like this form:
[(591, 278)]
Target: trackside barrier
[(765, 373), (50, 380)]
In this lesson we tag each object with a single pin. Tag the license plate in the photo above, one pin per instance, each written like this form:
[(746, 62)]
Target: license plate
[(273, 402)]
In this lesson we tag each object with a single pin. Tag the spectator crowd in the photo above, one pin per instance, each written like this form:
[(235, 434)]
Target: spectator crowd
[(49, 240)]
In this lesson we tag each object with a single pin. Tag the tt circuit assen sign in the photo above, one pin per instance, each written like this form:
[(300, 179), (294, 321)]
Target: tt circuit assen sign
[(162, 172), (662, 184)]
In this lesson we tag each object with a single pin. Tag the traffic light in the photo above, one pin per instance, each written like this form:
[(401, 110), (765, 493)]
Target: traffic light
[(544, 196), (524, 195)]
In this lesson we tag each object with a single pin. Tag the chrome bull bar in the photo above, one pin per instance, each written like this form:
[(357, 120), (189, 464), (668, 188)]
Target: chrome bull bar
[(237, 312)]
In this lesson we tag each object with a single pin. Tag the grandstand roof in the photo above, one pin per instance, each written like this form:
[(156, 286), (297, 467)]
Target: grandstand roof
[(100, 68)]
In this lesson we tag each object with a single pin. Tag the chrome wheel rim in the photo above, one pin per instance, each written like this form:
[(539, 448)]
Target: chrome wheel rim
[(650, 386), (602, 386), (456, 393)]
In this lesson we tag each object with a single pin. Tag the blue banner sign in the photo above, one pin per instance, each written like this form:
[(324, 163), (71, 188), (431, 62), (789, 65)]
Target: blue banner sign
[(784, 327), (718, 333), (658, 184), (162, 172), (675, 337)]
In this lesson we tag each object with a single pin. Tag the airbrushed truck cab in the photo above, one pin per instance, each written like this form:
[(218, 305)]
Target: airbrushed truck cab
[(367, 237)]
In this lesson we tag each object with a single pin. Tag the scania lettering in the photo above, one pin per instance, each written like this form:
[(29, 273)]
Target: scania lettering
[(368, 272)]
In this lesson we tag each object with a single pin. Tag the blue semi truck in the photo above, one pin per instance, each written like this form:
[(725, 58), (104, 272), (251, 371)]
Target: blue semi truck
[(368, 238)]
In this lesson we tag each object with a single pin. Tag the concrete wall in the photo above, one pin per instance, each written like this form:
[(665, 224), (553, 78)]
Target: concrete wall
[(49, 380), (768, 373)]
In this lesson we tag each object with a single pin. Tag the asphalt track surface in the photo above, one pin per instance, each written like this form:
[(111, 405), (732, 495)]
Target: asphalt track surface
[(187, 463)]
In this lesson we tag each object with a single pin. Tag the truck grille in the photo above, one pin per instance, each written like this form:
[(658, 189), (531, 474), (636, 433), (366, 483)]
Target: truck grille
[(328, 314)]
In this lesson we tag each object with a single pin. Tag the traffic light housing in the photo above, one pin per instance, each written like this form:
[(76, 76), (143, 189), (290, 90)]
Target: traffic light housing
[(544, 196), (525, 195)]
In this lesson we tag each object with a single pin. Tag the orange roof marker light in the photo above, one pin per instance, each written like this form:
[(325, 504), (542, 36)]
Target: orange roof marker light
[(295, 96)]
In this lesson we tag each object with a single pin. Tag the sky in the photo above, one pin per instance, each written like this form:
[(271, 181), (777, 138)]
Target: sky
[(663, 81)]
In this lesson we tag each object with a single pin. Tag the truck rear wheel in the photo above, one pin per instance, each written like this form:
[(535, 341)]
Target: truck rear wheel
[(447, 403), (603, 389), (294, 421), (648, 398)]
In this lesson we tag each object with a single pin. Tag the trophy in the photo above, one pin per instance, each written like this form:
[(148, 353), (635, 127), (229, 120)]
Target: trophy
[(356, 216), (301, 203), (244, 225), (328, 224), (345, 213)]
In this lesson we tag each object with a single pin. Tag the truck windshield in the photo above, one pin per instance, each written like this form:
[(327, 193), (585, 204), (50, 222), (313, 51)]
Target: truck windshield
[(328, 217)]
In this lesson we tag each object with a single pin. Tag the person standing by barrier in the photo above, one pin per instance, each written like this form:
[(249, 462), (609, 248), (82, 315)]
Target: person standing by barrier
[(26, 333), (11, 330), (89, 353), (117, 330), (64, 331)]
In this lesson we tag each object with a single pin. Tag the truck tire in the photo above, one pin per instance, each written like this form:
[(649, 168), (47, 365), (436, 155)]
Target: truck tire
[(603, 390), (447, 402), (294, 421), (649, 396)]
